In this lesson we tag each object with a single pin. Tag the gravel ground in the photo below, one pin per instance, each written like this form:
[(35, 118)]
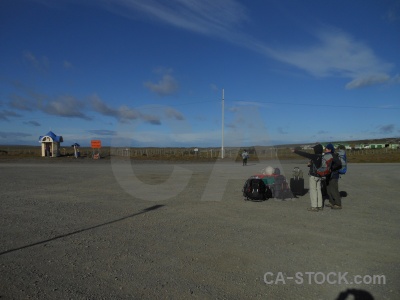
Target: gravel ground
[(112, 229)]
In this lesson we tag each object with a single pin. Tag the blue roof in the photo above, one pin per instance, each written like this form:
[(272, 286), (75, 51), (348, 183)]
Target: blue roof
[(55, 138)]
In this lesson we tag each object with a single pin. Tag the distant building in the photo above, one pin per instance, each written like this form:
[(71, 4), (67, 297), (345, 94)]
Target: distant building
[(377, 146), (346, 146), (50, 144)]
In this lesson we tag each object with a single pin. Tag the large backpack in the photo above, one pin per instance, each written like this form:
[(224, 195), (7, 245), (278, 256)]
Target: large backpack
[(255, 189), (281, 189), (343, 159), (336, 164), (326, 165)]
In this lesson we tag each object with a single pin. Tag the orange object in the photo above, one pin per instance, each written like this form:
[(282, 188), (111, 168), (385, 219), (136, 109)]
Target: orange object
[(96, 144)]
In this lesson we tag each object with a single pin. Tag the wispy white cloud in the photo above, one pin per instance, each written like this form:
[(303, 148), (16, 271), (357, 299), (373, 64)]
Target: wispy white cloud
[(174, 114), (151, 119), (122, 114), (210, 17), (337, 54), (166, 86), (21, 103), (41, 64), (334, 53), (6, 114), (65, 106), (71, 107), (33, 123), (103, 132), (4, 134), (125, 114), (368, 81)]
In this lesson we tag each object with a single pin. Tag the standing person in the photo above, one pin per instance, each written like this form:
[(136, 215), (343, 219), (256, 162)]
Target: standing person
[(315, 179), (332, 183), (245, 156), (75, 151), (48, 149)]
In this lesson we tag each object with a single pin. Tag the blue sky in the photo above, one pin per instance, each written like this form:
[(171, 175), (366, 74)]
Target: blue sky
[(151, 72)]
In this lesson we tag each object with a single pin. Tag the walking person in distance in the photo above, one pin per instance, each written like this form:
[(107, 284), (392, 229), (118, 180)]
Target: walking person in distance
[(245, 156)]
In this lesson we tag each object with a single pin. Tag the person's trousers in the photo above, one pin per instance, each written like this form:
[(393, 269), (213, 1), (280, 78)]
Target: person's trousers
[(315, 191), (332, 188)]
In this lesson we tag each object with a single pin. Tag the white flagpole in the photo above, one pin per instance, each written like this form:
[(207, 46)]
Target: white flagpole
[(223, 109)]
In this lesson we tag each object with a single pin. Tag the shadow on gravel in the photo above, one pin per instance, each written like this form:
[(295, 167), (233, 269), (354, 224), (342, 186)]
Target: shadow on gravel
[(305, 191), (355, 294), (154, 207)]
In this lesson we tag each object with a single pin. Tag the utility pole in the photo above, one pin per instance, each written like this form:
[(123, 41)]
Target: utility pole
[(223, 109)]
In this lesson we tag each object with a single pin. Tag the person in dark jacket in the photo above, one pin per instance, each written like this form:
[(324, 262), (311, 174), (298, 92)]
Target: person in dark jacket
[(315, 179), (332, 183)]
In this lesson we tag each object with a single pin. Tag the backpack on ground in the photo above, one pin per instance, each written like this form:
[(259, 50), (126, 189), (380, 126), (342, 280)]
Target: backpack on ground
[(336, 164), (280, 188), (273, 186), (255, 189), (343, 160), (297, 182)]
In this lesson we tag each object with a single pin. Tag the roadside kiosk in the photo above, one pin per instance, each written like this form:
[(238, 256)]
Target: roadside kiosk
[(50, 144)]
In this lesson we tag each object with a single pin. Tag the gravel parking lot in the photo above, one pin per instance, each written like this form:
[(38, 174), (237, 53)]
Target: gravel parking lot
[(115, 229)]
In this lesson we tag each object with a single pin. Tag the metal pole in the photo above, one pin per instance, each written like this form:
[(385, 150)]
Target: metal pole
[(222, 144)]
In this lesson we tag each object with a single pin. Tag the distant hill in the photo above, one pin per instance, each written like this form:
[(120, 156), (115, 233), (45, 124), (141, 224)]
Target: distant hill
[(353, 142)]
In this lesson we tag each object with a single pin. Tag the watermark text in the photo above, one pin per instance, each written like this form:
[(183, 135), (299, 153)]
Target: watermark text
[(323, 278)]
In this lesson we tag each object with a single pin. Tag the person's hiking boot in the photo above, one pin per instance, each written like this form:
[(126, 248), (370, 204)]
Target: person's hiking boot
[(329, 205), (313, 209), (337, 207), (320, 208)]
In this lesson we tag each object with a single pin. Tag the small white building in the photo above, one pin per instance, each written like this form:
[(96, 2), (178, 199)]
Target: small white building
[(378, 146), (50, 144)]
